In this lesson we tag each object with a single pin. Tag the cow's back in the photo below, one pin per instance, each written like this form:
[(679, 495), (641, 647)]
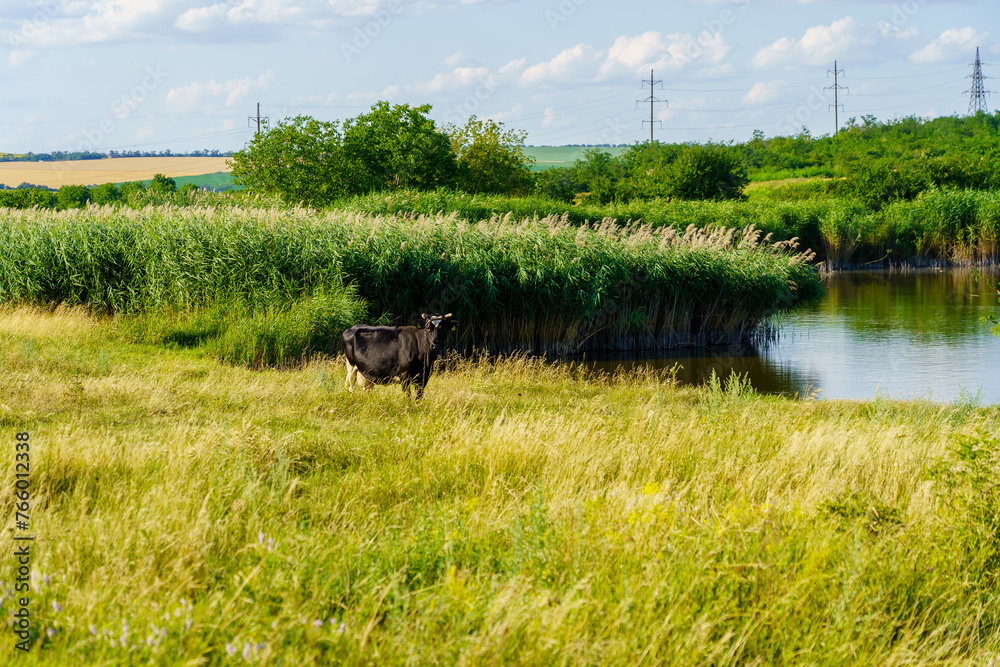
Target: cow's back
[(380, 352)]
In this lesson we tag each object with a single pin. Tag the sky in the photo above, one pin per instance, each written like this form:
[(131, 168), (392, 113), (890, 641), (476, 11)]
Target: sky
[(184, 75)]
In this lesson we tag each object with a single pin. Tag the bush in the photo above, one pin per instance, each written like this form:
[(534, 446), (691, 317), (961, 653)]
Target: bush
[(557, 183), (72, 196), (162, 184), (708, 172), (105, 194), (28, 197), (881, 182)]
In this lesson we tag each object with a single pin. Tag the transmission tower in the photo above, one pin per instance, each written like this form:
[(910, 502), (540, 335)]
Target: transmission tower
[(836, 88), (258, 118), (651, 99), (977, 94)]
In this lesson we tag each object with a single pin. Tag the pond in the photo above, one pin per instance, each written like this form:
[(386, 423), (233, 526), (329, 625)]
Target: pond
[(913, 334)]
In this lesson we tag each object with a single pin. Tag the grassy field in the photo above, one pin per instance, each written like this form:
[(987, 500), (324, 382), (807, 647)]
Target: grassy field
[(189, 512), (117, 170), (563, 156)]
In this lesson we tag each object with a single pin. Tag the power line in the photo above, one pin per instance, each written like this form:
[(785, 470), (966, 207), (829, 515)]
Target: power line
[(977, 94), (836, 89), (651, 99), (258, 118)]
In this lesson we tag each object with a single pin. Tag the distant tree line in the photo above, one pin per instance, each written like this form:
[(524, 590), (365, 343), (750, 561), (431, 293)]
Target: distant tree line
[(397, 147), (160, 190), (57, 156)]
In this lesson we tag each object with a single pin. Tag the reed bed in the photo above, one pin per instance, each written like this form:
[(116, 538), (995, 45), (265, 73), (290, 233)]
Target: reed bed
[(191, 512), (541, 285), (948, 226)]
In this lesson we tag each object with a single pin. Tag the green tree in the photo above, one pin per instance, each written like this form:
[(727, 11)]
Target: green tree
[(131, 190), (491, 159), (598, 173), (647, 170), (708, 172), (879, 182), (72, 196), (398, 146), (26, 197), (557, 183), (301, 160), (107, 193), (162, 184)]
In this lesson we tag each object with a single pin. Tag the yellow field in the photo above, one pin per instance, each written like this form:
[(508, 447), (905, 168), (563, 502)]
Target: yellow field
[(109, 170)]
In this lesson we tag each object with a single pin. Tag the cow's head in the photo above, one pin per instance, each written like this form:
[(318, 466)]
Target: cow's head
[(437, 328)]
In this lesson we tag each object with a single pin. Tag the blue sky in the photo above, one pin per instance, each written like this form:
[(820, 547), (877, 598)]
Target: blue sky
[(186, 74)]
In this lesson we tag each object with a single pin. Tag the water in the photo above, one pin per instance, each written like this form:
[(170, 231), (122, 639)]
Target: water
[(916, 334)]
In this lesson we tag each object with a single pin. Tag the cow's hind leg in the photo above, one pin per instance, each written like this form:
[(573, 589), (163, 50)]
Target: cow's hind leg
[(351, 370)]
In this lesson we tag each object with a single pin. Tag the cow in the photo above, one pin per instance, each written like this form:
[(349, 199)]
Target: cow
[(380, 355)]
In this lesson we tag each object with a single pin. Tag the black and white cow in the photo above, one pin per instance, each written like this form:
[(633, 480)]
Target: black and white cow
[(380, 355)]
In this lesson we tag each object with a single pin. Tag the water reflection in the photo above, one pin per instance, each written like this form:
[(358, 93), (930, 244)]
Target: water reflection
[(916, 334), (696, 365)]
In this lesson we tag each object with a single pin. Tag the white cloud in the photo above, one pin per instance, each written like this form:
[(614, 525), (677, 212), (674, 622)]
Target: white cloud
[(628, 56), (458, 79), (455, 59), (763, 92), (206, 93), (572, 63), (513, 66), (952, 44), (823, 44)]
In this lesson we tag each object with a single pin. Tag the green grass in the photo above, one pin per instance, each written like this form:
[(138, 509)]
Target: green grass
[(185, 510), (772, 174)]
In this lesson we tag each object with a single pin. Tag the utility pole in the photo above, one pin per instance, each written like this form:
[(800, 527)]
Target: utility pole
[(651, 99), (977, 94), (257, 118), (836, 87)]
